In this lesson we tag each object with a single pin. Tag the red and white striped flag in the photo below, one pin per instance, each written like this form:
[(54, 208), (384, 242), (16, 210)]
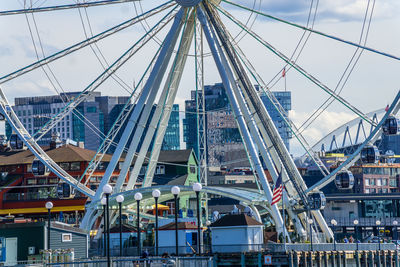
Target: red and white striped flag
[(278, 190)]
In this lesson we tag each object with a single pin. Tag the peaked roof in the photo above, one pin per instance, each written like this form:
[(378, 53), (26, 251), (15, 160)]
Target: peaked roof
[(235, 220), (65, 153), (181, 226)]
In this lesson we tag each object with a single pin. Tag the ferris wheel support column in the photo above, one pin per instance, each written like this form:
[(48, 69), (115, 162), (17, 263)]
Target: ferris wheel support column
[(171, 85), (257, 138), (272, 133), (168, 43), (240, 120), (145, 114)]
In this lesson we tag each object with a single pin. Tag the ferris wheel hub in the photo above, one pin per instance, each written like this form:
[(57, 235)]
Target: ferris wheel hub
[(188, 3)]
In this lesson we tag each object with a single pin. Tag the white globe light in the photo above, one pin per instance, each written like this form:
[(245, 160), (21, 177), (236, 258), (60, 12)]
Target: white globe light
[(310, 221), (197, 187), (175, 190), (103, 201), (395, 222), (49, 205), (138, 196), (120, 198), (156, 193), (378, 222), (208, 223), (355, 222), (107, 189), (333, 222)]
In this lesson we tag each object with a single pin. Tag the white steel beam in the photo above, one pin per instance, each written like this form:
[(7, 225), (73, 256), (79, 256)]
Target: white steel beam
[(172, 84), (240, 120)]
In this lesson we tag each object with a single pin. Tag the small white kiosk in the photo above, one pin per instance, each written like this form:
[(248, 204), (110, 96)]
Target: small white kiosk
[(237, 233)]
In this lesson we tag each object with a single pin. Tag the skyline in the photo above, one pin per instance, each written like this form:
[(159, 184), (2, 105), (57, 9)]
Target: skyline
[(325, 59)]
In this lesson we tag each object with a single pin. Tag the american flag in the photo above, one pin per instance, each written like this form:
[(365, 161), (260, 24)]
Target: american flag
[(278, 189)]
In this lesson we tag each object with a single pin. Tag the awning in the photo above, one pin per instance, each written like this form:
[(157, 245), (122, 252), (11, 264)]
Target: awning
[(42, 210), (160, 207)]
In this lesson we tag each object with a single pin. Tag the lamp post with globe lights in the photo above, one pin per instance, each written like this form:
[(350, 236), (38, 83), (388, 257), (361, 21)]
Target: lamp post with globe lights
[(138, 197), (49, 206), (395, 223), (208, 223), (356, 222), (107, 190), (103, 203), (378, 223), (197, 188), (120, 199), (175, 190), (310, 222), (334, 223), (156, 194)]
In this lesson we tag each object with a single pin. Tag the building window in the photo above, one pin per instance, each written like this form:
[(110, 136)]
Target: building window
[(160, 169), (75, 166), (367, 181), (192, 168), (91, 110), (66, 238), (379, 182), (64, 166)]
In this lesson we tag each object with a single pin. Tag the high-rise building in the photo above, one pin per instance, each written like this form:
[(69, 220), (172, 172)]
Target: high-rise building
[(285, 100), (96, 111), (92, 113), (172, 134), (224, 142)]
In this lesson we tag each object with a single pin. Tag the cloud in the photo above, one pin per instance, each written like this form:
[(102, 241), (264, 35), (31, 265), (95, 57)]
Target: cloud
[(323, 125), (340, 10)]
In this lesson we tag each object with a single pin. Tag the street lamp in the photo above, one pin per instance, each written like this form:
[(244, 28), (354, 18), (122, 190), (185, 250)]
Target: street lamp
[(138, 197), (103, 203), (395, 223), (355, 230), (120, 199), (156, 194), (197, 188), (310, 222), (378, 222), (334, 223), (49, 206), (208, 223), (175, 191), (107, 190)]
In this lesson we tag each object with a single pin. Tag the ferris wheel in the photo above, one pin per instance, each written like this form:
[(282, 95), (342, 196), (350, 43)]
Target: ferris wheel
[(198, 33)]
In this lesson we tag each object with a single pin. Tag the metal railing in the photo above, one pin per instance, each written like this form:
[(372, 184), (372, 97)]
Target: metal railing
[(365, 222), (148, 262)]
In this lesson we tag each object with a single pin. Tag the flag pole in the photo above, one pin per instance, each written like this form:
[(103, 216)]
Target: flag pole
[(284, 219)]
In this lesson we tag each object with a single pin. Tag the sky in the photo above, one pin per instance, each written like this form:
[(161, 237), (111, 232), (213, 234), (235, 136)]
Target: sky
[(372, 84)]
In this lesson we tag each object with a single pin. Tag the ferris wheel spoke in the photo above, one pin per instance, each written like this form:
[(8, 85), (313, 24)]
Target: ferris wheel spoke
[(104, 75), (84, 43), (300, 69), (315, 31), (64, 7), (18, 127)]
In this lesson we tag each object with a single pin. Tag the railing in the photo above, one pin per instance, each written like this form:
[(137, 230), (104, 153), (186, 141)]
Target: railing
[(366, 222), (330, 247), (148, 262), (27, 196)]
